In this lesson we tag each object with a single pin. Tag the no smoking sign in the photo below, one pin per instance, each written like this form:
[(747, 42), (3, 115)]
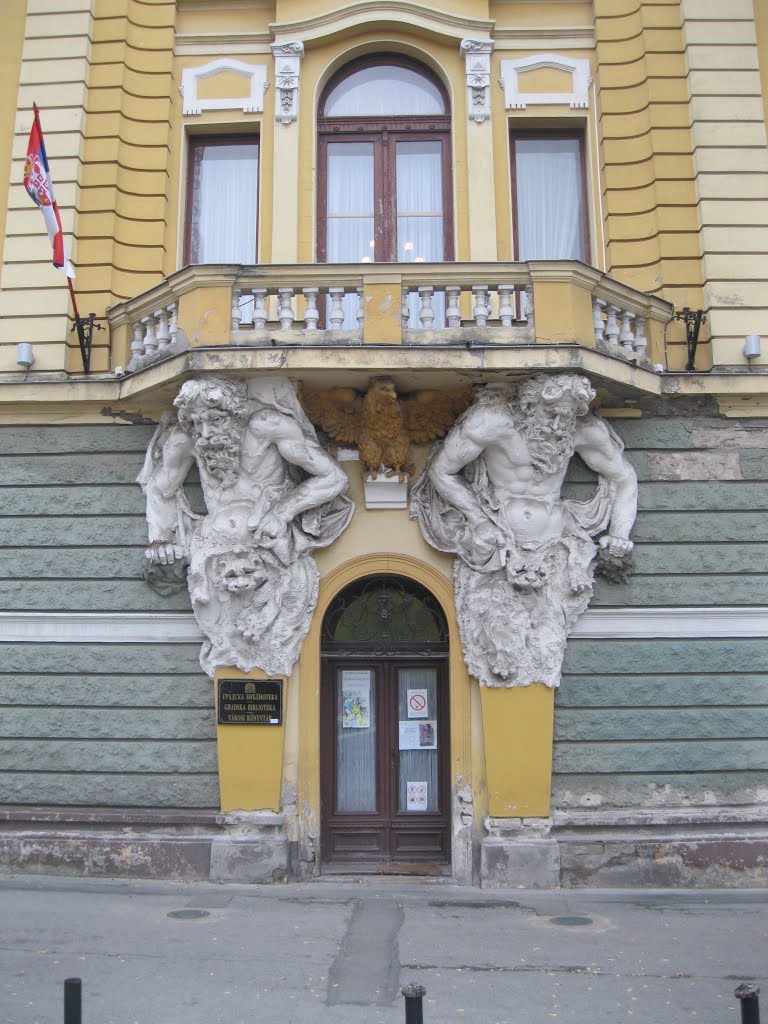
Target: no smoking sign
[(418, 706)]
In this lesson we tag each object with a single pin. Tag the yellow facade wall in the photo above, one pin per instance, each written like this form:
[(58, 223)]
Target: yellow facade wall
[(648, 179), (726, 54), (53, 72), (125, 185)]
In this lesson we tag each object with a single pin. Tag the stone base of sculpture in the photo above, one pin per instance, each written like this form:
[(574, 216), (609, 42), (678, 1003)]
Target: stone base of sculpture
[(519, 853)]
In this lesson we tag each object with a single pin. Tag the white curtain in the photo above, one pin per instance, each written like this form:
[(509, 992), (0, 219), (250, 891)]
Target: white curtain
[(420, 215), (225, 189), (549, 199), (350, 202), (384, 91), (419, 202), (350, 226)]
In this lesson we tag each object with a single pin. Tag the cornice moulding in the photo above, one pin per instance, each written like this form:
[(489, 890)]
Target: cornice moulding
[(364, 12), (530, 37), (201, 44), (181, 627)]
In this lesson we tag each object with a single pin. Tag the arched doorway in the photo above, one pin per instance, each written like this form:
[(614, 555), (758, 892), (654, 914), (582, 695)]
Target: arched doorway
[(384, 721)]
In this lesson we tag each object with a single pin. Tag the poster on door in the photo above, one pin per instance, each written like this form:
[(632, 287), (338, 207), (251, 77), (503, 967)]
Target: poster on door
[(418, 735), (418, 706), (355, 700), (417, 796)]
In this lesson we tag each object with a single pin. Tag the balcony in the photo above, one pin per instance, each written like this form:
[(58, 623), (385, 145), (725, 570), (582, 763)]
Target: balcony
[(513, 313)]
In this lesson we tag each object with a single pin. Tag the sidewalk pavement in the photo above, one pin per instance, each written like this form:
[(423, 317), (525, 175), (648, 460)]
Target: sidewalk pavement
[(337, 951)]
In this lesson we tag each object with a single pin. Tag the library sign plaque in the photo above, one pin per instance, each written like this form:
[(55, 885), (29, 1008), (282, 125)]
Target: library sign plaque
[(250, 702)]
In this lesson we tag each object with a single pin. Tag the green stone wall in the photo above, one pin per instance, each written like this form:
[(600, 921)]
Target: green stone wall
[(100, 725), (638, 723), (676, 723)]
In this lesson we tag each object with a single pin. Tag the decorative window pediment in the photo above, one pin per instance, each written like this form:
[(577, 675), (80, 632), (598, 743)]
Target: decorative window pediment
[(252, 103), (516, 99)]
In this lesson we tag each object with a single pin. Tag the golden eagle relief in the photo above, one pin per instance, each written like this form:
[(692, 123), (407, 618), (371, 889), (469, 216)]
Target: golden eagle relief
[(382, 426)]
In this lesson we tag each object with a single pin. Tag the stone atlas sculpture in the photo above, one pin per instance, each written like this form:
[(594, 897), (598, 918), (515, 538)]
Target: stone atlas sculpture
[(273, 495), (525, 562)]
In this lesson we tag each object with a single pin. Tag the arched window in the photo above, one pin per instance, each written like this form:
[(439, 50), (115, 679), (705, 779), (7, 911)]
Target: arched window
[(384, 165), (385, 616)]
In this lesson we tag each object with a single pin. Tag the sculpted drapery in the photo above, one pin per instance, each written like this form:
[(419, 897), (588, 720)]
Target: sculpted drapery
[(525, 562)]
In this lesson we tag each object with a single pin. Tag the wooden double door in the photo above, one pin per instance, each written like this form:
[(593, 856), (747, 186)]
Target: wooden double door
[(384, 763)]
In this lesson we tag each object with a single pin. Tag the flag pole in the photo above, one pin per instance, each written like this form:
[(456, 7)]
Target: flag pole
[(39, 185)]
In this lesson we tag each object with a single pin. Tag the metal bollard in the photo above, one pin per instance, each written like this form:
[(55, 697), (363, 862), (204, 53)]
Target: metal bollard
[(73, 989), (414, 993), (750, 1004)]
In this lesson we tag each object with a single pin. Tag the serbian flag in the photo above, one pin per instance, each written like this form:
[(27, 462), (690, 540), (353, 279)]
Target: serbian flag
[(37, 182)]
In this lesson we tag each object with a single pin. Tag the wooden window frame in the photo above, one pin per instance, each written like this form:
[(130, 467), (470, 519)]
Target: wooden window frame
[(554, 134), (384, 133), (196, 142)]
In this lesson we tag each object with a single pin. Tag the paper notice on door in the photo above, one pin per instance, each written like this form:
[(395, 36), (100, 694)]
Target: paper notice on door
[(355, 700), (418, 735), (417, 794), (417, 704)]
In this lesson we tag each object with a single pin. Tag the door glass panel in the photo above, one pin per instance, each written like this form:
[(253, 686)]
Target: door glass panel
[(350, 206), (549, 199), (420, 214), (355, 740), (418, 783)]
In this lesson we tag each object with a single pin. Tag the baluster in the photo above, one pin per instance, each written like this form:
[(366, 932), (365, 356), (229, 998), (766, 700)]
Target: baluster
[(137, 345), (173, 322), (528, 307), (163, 334), (626, 337), (641, 341), (336, 315), (405, 309), (426, 313), (480, 310), (452, 311), (259, 308), (506, 311), (360, 306), (237, 294), (285, 308), (598, 305), (612, 325), (311, 313), (150, 339)]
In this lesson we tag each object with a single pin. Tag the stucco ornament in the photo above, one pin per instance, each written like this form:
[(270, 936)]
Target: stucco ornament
[(491, 495), (273, 495)]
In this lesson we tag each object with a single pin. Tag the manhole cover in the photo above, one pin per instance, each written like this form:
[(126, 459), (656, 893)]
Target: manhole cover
[(572, 922), (188, 915)]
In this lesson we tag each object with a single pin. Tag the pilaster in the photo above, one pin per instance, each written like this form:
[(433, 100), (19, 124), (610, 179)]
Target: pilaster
[(285, 231)]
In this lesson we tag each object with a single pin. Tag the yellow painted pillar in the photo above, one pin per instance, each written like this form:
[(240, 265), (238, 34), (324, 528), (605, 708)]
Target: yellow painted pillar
[(383, 298), (250, 756), (517, 728), (562, 300), (481, 194)]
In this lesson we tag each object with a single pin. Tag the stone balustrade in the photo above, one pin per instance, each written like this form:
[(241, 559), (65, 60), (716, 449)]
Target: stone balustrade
[(619, 325), (425, 304), (154, 334)]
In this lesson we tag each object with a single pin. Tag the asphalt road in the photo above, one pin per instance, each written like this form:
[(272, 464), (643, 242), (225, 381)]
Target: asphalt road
[(337, 951)]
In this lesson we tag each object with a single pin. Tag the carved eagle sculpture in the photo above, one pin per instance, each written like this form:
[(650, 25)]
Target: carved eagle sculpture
[(381, 425)]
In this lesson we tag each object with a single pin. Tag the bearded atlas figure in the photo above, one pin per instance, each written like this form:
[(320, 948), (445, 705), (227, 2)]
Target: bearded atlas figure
[(525, 556)]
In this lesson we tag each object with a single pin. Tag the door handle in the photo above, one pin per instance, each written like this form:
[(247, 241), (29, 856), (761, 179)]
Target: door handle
[(393, 756)]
